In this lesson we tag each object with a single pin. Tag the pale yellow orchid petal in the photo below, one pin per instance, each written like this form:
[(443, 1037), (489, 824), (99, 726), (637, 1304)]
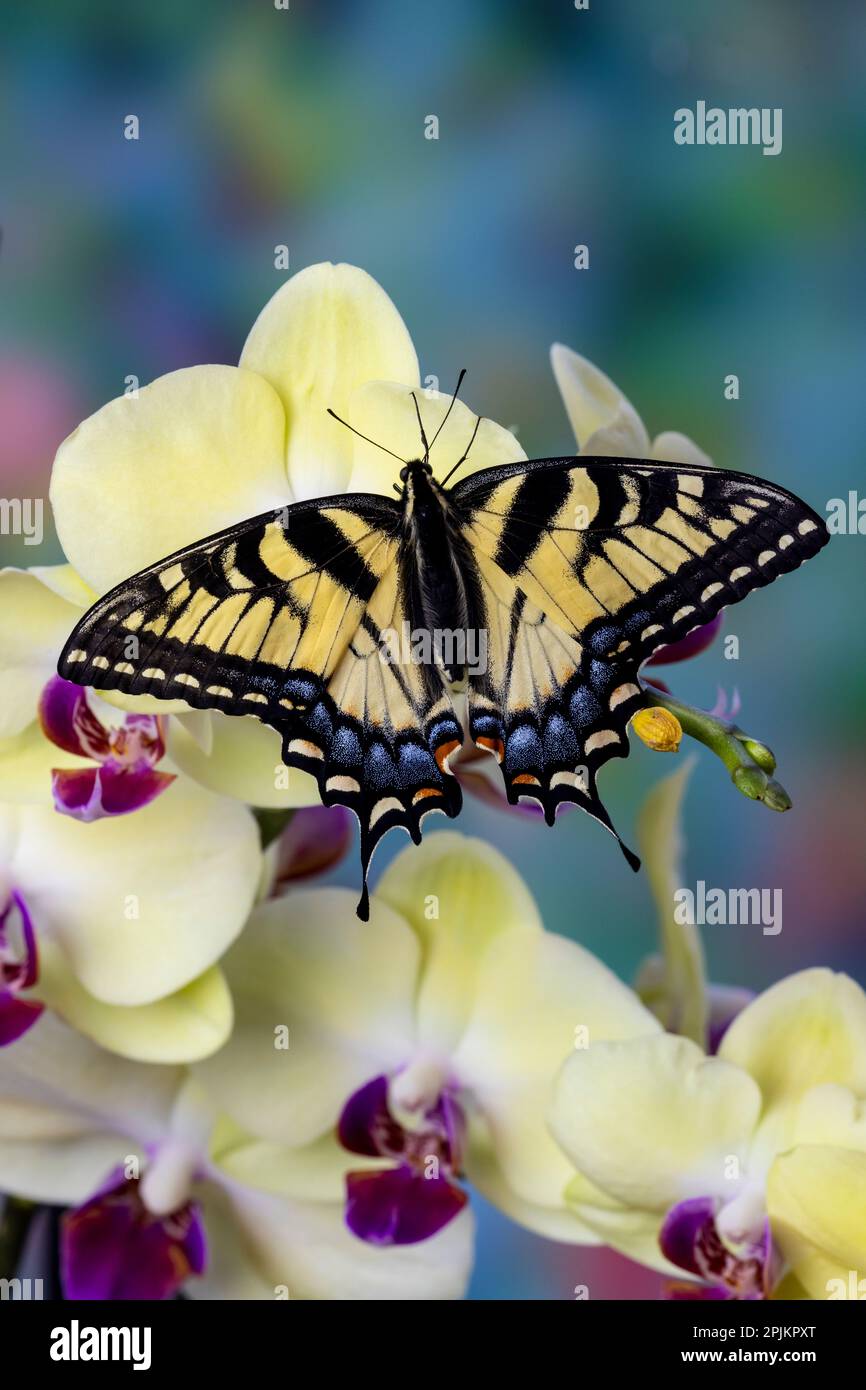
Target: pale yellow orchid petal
[(329, 329), (653, 1121), (139, 904), (244, 761), (66, 583), (672, 447), (537, 998), (830, 1115), (263, 1247), (194, 452), (26, 763), (184, 1026), (323, 1003), (623, 437), (594, 404), (458, 895), (630, 1230), (34, 623), (484, 1172), (70, 1112), (63, 1173), (315, 1172), (385, 412), (806, 1030), (816, 1200)]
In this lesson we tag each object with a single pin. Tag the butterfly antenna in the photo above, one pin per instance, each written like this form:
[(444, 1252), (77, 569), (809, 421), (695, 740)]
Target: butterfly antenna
[(365, 437), (421, 427), (450, 408), (466, 455)]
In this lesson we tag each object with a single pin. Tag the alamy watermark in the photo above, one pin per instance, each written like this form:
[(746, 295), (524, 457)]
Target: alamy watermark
[(738, 125), (721, 907), (452, 649), (22, 516)]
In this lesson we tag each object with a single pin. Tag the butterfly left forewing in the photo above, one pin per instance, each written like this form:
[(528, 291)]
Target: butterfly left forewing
[(245, 621)]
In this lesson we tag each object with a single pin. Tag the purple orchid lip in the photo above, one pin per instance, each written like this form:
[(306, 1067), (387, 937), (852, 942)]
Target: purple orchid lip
[(691, 645), (124, 778), (314, 841), (18, 971), (113, 1248), (417, 1196), (689, 1238), (398, 1206)]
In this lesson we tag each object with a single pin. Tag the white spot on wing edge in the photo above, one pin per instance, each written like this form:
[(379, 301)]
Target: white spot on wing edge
[(305, 749), (601, 739), (623, 692)]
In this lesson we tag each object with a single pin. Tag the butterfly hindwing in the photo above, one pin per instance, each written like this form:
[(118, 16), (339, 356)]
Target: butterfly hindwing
[(548, 711), (246, 620), (377, 735), (630, 555)]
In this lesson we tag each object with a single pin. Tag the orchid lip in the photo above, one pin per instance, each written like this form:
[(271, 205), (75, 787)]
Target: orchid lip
[(124, 778), (19, 970), (417, 1195), (697, 1235), (113, 1247)]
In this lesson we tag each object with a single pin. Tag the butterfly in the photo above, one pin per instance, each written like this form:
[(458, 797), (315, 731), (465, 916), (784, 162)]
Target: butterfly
[(534, 589)]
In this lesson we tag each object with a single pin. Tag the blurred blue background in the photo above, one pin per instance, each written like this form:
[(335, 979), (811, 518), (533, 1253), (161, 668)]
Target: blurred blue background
[(306, 127)]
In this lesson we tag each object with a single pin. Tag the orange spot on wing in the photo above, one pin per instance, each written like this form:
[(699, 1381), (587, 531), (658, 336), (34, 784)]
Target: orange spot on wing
[(526, 777), (444, 752), (493, 745)]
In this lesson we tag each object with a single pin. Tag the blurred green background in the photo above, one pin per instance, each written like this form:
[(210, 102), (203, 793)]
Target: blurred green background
[(306, 127)]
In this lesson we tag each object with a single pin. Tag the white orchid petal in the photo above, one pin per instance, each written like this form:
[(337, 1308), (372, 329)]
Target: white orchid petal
[(243, 761), (264, 1247), (327, 331), (538, 997), (139, 904), (385, 412), (323, 1004), (672, 447), (805, 1031), (194, 452), (458, 895), (593, 403), (34, 623), (652, 1121)]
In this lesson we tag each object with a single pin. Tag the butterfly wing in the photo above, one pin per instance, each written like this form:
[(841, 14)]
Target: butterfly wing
[(281, 617), (588, 566), (378, 734), (246, 620), (549, 714)]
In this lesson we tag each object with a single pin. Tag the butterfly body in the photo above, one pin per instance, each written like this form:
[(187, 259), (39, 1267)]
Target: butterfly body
[(438, 570), (574, 570)]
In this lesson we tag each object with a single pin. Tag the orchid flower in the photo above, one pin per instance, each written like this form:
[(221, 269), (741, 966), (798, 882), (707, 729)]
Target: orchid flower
[(426, 1040), (748, 1168), (121, 922), (127, 1147), (125, 775)]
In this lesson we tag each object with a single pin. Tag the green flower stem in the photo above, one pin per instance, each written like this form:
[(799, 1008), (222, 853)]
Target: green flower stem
[(749, 761)]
